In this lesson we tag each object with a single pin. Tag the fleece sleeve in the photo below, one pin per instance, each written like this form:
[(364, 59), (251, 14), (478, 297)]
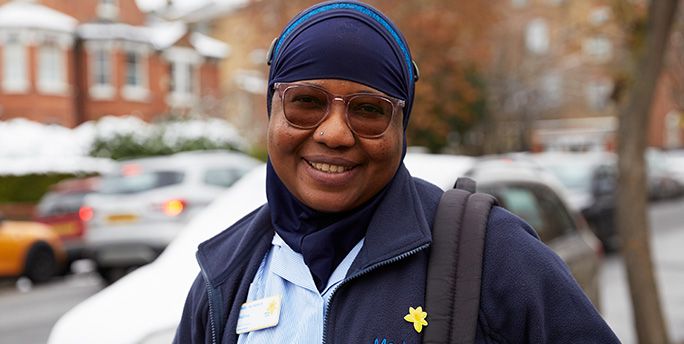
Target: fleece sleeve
[(528, 294)]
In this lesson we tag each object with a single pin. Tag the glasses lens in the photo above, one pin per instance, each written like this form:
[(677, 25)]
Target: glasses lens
[(304, 106), (369, 115)]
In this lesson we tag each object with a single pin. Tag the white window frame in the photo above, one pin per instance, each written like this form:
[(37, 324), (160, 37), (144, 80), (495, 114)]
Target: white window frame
[(97, 89), (599, 48), (52, 68), (140, 90), (108, 9), (537, 36), (597, 93), (14, 63), (185, 69)]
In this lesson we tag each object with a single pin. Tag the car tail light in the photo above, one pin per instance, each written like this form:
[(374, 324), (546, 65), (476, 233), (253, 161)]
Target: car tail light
[(173, 207), (85, 214)]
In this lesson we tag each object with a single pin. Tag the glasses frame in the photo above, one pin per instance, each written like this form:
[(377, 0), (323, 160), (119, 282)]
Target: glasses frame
[(282, 87)]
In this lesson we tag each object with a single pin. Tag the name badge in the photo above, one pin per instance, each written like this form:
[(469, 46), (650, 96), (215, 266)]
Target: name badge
[(258, 314)]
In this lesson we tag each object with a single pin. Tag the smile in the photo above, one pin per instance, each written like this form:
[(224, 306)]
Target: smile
[(328, 168)]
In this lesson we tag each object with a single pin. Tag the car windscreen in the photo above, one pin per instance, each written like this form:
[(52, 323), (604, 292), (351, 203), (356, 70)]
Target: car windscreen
[(139, 182), (576, 177)]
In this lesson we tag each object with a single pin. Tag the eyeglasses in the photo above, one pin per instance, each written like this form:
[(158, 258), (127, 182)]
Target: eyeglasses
[(307, 106)]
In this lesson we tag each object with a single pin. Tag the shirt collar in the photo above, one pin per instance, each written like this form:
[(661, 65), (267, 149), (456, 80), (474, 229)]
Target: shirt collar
[(290, 266)]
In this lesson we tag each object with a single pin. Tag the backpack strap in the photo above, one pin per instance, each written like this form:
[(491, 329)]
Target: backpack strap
[(455, 270)]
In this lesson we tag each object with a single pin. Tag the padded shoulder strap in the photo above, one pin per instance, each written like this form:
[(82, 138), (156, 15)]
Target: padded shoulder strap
[(455, 269)]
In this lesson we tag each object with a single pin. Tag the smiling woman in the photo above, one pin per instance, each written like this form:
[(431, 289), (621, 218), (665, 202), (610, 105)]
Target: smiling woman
[(340, 251)]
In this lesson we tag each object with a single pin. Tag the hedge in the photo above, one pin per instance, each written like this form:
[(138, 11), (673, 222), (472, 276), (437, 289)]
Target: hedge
[(28, 188)]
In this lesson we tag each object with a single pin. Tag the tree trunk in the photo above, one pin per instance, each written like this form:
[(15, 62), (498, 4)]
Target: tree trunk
[(632, 217)]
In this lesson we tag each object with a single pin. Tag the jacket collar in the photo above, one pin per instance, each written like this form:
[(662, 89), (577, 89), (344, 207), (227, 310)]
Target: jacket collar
[(401, 223)]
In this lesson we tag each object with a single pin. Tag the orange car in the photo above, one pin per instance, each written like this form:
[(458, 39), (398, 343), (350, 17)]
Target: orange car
[(29, 249)]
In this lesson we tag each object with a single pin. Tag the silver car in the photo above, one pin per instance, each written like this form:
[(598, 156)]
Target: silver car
[(540, 199), (140, 208)]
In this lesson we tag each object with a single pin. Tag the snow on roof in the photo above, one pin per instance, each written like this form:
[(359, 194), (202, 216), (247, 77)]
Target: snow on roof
[(114, 31), (209, 47), (165, 34), (251, 81), (20, 14), (210, 10)]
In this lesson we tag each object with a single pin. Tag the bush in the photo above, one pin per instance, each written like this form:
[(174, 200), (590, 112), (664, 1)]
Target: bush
[(133, 145), (28, 188)]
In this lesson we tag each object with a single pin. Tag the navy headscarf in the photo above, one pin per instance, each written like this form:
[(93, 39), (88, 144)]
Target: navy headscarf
[(346, 40)]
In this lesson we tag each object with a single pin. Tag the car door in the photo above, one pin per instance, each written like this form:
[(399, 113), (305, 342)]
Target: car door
[(543, 209)]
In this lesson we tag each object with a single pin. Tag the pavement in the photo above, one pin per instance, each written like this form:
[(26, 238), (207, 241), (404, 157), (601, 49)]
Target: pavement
[(667, 249)]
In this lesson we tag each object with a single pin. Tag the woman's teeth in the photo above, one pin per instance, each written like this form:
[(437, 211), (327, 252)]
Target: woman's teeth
[(328, 168)]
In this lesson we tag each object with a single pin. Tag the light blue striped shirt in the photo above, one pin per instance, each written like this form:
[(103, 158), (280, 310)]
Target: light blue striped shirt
[(283, 272)]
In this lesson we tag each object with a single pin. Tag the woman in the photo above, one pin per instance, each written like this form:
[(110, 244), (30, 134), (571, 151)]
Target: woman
[(340, 251)]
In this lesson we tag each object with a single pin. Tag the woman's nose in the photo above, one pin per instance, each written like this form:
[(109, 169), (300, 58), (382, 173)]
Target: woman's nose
[(334, 131)]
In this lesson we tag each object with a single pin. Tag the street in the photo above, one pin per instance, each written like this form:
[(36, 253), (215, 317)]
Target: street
[(27, 314)]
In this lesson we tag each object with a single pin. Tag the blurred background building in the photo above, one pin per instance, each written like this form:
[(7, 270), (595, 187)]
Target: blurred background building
[(67, 62), (497, 76)]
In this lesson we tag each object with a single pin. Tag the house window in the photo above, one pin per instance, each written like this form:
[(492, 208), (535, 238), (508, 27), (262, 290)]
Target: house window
[(14, 65), (133, 69), (598, 48), (135, 83), (537, 36), (597, 94), (101, 72), (51, 68), (552, 89), (182, 78), (102, 67), (108, 9)]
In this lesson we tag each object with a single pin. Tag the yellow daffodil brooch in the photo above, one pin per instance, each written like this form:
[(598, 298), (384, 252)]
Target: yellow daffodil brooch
[(417, 317)]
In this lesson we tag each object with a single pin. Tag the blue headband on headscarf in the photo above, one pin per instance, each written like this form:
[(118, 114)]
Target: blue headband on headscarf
[(335, 40)]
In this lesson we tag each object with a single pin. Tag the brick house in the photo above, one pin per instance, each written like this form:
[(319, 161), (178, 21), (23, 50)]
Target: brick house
[(67, 62)]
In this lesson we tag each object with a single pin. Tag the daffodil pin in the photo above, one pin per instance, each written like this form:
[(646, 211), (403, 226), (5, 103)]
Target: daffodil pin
[(417, 317)]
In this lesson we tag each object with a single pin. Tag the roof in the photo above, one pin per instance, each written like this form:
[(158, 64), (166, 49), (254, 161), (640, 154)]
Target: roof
[(210, 10), (21, 14), (161, 36), (209, 47), (114, 31)]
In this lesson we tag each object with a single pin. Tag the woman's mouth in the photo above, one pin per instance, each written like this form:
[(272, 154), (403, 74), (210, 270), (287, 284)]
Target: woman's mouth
[(328, 168)]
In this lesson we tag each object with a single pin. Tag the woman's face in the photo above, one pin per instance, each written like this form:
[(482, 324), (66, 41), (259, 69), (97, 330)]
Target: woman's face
[(338, 170)]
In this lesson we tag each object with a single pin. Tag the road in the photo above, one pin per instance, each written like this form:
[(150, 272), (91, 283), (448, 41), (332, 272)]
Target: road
[(27, 313), (26, 316), (667, 224)]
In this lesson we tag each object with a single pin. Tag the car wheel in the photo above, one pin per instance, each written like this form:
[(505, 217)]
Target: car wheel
[(41, 264)]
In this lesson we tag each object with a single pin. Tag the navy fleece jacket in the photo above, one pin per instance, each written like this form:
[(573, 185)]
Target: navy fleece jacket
[(528, 295)]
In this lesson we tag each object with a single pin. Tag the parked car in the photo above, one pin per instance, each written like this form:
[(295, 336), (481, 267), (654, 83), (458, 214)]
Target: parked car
[(675, 162), (29, 249), (591, 181), (663, 183), (139, 209), (539, 198), (62, 209), (154, 294)]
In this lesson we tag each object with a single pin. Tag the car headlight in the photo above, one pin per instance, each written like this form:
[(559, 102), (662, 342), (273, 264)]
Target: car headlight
[(164, 336)]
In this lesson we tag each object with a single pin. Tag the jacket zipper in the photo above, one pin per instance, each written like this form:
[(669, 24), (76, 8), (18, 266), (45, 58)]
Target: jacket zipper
[(359, 274), (210, 297)]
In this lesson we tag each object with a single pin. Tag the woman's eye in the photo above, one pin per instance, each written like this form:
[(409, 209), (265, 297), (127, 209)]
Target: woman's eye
[(369, 109), (307, 100)]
